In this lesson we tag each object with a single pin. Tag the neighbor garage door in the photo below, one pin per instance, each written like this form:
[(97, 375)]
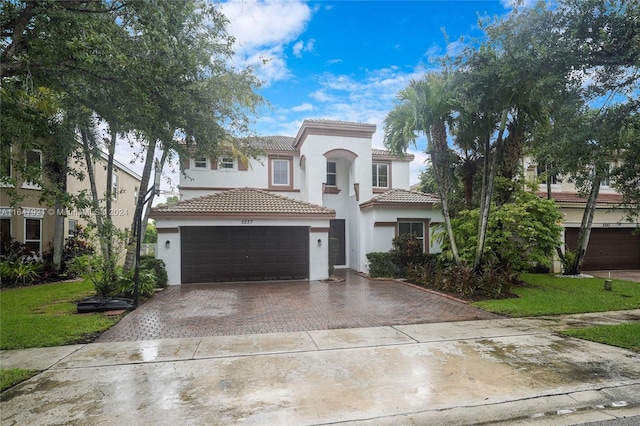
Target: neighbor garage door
[(227, 253), (608, 248)]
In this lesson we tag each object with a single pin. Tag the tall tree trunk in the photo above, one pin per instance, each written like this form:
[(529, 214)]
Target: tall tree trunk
[(438, 143), (585, 226), (147, 212), (489, 173), (87, 148), (56, 170), (469, 168), (144, 183)]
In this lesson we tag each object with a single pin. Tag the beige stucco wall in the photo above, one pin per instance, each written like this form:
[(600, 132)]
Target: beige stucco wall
[(29, 206)]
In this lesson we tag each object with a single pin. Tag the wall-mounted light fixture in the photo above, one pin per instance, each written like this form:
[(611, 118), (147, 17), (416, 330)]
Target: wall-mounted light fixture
[(319, 242), (167, 244)]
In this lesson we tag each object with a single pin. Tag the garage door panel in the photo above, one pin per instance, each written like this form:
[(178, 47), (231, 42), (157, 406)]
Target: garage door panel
[(244, 253), (608, 248)]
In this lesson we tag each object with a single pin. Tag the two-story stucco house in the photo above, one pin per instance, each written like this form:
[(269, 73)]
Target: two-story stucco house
[(613, 243), (31, 222), (271, 218)]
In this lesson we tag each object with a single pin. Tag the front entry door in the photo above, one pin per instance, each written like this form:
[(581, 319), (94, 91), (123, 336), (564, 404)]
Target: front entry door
[(336, 230)]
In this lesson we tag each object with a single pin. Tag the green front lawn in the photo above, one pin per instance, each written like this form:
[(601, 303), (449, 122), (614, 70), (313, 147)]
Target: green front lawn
[(546, 294), (45, 315), (622, 335), (14, 376)]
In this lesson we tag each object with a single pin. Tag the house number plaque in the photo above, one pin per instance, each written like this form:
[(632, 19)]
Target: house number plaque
[(246, 221)]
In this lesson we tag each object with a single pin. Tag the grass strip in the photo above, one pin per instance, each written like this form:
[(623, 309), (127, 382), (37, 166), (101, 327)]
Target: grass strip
[(622, 335), (13, 376)]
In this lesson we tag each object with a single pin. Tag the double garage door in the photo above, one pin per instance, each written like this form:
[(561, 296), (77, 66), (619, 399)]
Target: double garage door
[(252, 253), (608, 248)]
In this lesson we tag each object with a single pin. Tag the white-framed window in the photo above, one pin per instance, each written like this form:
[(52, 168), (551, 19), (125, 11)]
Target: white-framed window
[(73, 227), (200, 163), (115, 186), (550, 178), (331, 173), (33, 234), (280, 172), (416, 228), (227, 163), (606, 179), (33, 160), (380, 175)]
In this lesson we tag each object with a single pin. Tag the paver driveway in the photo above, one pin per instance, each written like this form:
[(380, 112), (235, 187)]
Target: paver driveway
[(260, 307)]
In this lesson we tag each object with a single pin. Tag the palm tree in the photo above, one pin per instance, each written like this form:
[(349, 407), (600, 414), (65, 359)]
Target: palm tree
[(425, 107)]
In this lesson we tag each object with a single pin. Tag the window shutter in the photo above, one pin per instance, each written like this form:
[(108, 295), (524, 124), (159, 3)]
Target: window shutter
[(186, 164), (214, 163)]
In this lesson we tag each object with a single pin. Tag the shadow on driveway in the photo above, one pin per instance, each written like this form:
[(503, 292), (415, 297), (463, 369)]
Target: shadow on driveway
[(270, 307)]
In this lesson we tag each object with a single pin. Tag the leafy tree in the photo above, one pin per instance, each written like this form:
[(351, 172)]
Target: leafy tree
[(521, 234), (157, 73), (150, 234)]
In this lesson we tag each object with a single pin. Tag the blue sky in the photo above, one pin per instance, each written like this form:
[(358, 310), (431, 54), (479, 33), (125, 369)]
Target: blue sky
[(346, 60)]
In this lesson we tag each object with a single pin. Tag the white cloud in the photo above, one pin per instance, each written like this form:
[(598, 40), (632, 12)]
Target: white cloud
[(333, 61), (511, 3), (262, 28), (303, 107), (301, 47)]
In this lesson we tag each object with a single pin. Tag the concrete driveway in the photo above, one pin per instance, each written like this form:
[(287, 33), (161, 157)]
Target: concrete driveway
[(273, 307), (498, 372)]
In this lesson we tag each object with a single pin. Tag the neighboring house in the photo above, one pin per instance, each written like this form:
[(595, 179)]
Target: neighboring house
[(614, 242), (271, 218), (33, 223)]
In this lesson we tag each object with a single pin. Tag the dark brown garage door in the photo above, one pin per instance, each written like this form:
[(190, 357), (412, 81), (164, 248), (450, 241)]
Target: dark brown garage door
[(252, 253), (608, 248)]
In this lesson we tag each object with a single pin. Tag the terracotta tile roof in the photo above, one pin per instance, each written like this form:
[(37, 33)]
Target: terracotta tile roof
[(572, 197), (243, 201), (338, 122), (402, 197), (273, 143), (389, 154)]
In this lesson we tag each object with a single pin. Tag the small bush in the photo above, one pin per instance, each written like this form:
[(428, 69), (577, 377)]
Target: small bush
[(381, 264), (125, 286), (407, 250), (158, 267)]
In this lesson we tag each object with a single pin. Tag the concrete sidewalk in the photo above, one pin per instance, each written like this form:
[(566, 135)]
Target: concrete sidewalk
[(505, 371)]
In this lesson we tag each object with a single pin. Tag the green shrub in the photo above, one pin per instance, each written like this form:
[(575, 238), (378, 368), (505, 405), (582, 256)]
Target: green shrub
[(381, 264), (92, 268), (406, 251), (125, 285), (150, 263)]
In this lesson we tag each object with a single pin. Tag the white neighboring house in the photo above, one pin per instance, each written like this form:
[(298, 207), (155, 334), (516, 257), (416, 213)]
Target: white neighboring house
[(271, 219)]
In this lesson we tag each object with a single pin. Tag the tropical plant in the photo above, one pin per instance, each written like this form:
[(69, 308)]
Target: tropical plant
[(424, 107)]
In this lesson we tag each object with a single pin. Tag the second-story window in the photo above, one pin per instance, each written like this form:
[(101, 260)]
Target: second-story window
[(115, 187), (200, 163), (227, 163), (550, 177), (606, 179), (33, 161), (280, 172), (331, 173), (380, 175)]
